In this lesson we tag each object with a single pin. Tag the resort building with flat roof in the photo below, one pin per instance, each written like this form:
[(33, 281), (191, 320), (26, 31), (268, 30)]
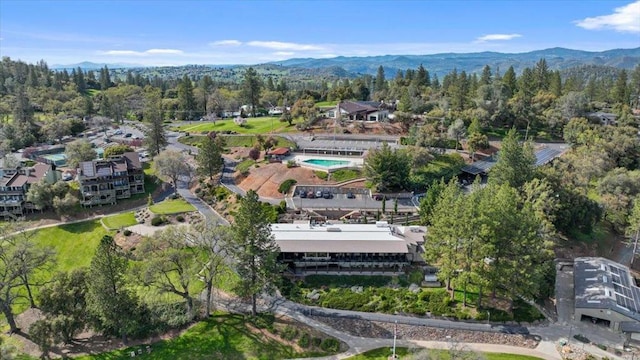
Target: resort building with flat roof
[(338, 247)]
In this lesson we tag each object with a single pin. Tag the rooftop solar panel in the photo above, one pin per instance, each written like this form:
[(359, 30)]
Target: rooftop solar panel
[(545, 155)]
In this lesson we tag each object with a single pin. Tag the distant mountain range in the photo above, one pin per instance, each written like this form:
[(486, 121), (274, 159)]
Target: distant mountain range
[(557, 59), (440, 64), (87, 65)]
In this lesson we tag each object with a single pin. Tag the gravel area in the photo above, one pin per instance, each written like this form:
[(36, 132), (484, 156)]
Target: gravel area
[(377, 329)]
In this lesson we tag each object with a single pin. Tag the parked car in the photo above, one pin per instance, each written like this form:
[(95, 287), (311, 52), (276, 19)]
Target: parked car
[(118, 132), (327, 194), (128, 135), (319, 193), (302, 194), (311, 195), (377, 197), (350, 195)]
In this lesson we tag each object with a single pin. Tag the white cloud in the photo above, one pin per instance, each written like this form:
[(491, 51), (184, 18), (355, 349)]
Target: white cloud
[(163, 51), (497, 37), (142, 53), (278, 45), (226, 43), (624, 19), (283, 53)]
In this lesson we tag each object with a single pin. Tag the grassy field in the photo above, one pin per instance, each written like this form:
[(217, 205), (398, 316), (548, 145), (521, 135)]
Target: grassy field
[(384, 353), (345, 174), (223, 336), (171, 207), (326, 103), (118, 221), (261, 125), (74, 245), (236, 141)]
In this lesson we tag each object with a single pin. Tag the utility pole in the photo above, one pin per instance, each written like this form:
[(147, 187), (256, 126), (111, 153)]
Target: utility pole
[(395, 335), (635, 246)]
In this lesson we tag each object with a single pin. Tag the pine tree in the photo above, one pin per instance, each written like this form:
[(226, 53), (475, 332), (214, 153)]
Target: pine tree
[(251, 88), (509, 80), (254, 249), (380, 80), (155, 138), (108, 296), (186, 99), (209, 156), (516, 162)]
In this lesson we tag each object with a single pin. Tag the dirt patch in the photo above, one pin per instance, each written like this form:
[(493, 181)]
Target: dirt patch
[(127, 242), (266, 179)]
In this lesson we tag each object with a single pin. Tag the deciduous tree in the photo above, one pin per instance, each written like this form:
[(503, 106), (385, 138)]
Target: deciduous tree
[(79, 151), (173, 165)]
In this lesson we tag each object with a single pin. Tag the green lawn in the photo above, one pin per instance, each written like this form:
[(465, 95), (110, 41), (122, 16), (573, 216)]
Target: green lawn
[(74, 245), (223, 336), (118, 221), (261, 125), (236, 141), (172, 207), (345, 174), (384, 353), (327, 103), (244, 166)]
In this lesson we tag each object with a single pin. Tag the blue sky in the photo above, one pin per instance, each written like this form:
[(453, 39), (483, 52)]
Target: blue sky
[(249, 32)]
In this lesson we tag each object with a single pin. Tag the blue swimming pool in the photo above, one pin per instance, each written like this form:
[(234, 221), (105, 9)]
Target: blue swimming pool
[(326, 162)]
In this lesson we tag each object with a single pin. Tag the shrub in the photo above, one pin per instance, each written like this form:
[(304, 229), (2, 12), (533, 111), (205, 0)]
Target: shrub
[(254, 153), (291, 164), (263, 321), (330, 345), (581, 338), (127, 232), (289, 333), (304, 340), (180, 218), (316, 341), (602, 347), (157, 221), (321, 175), (286, 185)]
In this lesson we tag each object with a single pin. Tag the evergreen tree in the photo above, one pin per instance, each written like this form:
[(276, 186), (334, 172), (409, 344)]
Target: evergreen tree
[(516, 162), (509, 81), (105, 78), (254, 249), (621, 90), (209, 156), (380, 80), (186, 99), (251, 88), (485, 78), (155, 138), (109, 299)]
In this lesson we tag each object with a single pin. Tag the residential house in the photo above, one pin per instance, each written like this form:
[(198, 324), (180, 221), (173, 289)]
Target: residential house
[(103, 182), (360, 111), (310, 247), (14, 185)]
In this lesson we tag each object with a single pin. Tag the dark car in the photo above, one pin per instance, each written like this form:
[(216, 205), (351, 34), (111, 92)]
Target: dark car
[(350, 195), (327, 194), (128, 135), (311, 195), (303, 194), (377, 197)]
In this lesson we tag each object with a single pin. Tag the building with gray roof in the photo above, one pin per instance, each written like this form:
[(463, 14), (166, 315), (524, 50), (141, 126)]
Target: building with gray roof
[(605, 290), (329, 247)]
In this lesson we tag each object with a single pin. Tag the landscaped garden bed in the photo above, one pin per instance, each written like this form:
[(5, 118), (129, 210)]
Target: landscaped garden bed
[(394, 295)]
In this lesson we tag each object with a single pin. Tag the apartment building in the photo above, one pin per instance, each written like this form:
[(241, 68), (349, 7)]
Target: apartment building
[(103, 182), (14, 185)]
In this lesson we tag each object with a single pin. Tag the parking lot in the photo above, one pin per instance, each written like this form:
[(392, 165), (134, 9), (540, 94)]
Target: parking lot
[(343, 198)]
